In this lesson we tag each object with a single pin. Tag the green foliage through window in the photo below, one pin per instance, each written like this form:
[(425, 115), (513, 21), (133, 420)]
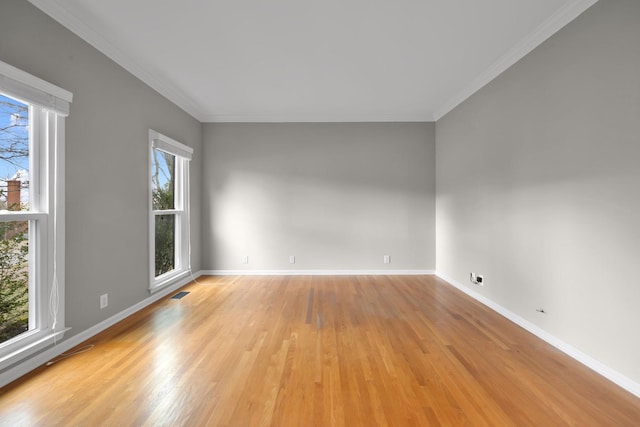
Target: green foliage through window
[(14, 279), (165, 243), (163, 198)]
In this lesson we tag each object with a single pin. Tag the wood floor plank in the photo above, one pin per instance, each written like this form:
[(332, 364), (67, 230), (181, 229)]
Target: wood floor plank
[(317, 351)]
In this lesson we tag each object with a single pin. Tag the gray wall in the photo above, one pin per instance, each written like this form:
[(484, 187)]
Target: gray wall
[(335, 195), (538, 186), (107, 166)]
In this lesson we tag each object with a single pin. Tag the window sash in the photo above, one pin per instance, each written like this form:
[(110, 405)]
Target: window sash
[(177, 244), (167, 211), (6, 216), (39, 224), (37, 321)]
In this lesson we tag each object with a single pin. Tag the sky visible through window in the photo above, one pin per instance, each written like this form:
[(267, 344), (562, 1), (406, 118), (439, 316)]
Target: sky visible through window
[(14, 146), (163, 180)]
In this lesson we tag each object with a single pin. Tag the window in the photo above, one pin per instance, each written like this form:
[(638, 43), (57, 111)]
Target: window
[(169, 201), (32, 119)]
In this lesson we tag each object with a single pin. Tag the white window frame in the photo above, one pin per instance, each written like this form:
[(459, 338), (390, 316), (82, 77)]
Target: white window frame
[(183, 155), (48, 107)]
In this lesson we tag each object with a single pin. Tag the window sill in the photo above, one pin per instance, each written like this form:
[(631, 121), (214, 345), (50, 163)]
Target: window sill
[(163, 281), (29, 346)]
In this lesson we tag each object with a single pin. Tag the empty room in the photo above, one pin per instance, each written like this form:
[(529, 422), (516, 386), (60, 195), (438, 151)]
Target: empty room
[(319, 213)]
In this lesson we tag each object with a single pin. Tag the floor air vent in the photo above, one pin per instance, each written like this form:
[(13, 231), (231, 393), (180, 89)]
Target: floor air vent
[(179, 295)]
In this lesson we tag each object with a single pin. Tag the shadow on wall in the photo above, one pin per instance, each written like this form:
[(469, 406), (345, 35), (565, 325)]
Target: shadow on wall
[(335, 195), (257, 213)]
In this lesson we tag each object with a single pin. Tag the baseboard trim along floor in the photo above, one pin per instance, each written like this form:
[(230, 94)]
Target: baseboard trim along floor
[(599, 367), (29, 365)]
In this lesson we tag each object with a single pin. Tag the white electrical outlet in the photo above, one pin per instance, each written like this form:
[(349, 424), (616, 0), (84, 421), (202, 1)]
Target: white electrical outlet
[(245, 259), (476, 279), (104, 301), (387, 259), (292, 259)]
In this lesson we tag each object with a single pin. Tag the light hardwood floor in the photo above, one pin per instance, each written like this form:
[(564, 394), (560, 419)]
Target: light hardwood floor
[(317, 351)]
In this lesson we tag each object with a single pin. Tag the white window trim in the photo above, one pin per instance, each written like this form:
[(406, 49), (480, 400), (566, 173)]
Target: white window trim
[(183, 155), (34, 90), (49, 107)]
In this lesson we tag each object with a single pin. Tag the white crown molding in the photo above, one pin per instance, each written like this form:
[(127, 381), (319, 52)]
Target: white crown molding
[(56, 10), (40, 359), (562, 17), (548, 28), (314, 118), (316, 272), (599, 367)]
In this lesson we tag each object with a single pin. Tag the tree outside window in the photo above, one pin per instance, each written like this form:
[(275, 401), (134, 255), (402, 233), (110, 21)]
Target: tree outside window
[(14, 240), (163, 199)]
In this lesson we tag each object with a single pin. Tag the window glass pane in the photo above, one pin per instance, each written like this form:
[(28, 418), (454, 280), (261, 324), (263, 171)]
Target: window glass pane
[(14, 279), (165, 243), (14, 154), (163, 172)]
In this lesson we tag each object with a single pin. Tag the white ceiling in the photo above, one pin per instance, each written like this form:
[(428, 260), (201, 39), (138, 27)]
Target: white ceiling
[(315, 60)]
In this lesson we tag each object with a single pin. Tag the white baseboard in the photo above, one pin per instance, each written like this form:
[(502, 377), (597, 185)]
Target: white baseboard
[(316, 272), (590, 362), (32, 363)]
